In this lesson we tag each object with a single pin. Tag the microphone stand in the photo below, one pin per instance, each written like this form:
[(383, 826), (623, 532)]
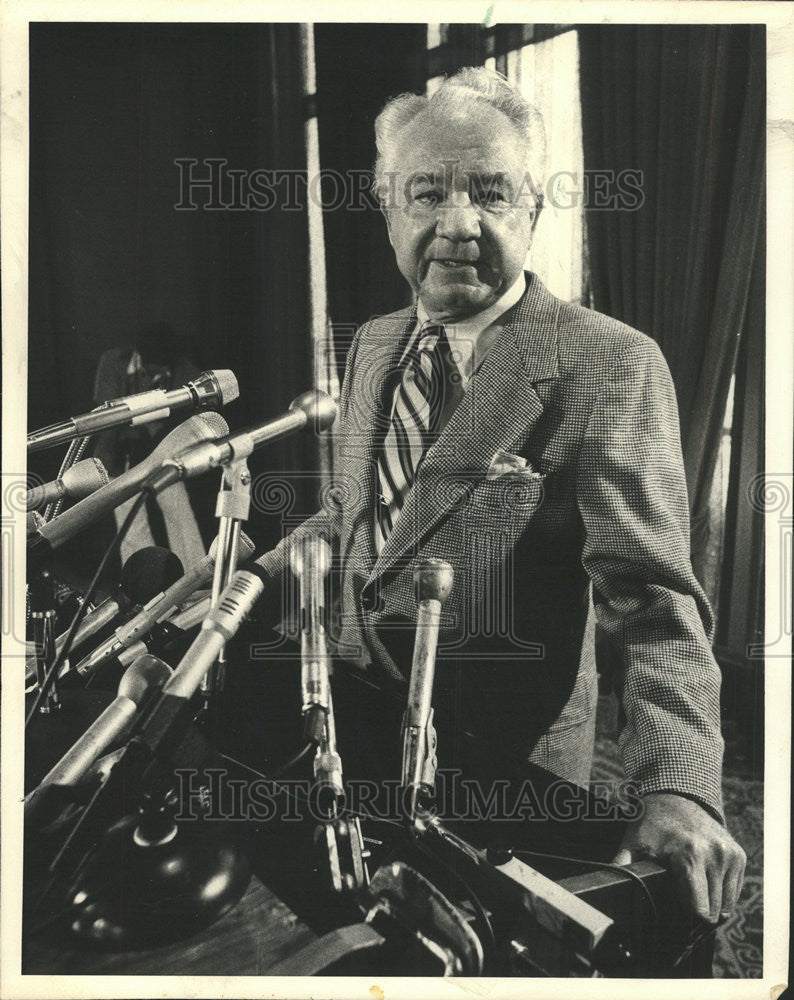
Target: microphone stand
[(231, 509), (43, 615), (179, 873), (564, 935)]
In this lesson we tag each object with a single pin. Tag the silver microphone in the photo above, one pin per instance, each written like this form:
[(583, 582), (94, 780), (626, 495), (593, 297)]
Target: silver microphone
[(312, 408), (433, 581), (146, 672), (81, 480), (209, 389), (310, 560), (220, 625), (200, 427)]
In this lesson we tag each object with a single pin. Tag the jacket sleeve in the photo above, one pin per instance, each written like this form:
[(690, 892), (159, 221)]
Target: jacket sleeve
[(631, 493)]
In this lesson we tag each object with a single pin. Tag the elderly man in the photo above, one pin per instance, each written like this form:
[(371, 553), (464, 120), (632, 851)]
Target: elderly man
[(535, 446)]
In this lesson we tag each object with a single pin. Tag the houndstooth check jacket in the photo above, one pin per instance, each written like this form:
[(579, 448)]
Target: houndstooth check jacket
[(596, 522)]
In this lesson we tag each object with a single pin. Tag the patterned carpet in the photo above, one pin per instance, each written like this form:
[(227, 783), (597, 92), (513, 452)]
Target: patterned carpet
[(738, 948)]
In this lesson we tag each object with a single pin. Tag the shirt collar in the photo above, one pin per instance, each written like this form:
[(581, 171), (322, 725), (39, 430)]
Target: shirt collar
[(471, 338)]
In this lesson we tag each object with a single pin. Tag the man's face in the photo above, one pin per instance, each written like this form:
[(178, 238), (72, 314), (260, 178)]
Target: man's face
[(460, 208)]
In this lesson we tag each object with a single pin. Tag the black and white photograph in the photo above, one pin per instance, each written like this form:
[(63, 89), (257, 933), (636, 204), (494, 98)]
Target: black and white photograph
[(397, 499)]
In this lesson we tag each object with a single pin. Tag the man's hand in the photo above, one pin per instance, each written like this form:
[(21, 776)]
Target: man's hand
[(706, 861)]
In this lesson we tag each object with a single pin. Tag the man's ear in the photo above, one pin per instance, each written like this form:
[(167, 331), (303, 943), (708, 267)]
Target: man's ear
[(536, 213), (387, 217)]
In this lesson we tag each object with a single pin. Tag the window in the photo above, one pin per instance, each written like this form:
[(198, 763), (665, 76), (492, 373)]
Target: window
[(545, 68)]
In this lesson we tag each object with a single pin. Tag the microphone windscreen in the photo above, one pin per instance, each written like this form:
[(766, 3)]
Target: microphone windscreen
[(85, 478), (227, 383), (148, 572), (215, 424)]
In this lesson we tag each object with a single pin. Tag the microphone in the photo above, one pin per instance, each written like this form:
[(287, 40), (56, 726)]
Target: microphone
[(433, 580), (218, 627), (266, 567), (53, 534), (313, 407), (81, 480), (310, 560), (209, 389), (146, 673), (161, 607), (167, 630), (144, 574)]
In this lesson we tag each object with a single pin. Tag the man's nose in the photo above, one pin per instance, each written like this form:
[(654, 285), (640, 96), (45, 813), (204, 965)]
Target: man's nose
[(458, 219)]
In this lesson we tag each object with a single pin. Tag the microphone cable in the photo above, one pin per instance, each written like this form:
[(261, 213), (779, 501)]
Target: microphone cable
[(595, 865), (83, 609)]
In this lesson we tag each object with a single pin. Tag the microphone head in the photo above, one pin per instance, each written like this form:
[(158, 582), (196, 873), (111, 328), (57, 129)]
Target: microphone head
[(433, 579), (145, 672), (228, 389), (148, 572), (318, 406), (85, 478), (211, 425), (196, 429), (217, 387), (309, 554)]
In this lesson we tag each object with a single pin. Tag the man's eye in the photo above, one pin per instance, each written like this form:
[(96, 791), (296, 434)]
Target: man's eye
[(427, 198), (490, 198)]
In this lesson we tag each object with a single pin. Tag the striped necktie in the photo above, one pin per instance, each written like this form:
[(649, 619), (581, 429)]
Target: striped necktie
[(417, 409)]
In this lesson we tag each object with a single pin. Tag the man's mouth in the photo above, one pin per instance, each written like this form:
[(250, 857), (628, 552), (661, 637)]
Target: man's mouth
[(448, 262)]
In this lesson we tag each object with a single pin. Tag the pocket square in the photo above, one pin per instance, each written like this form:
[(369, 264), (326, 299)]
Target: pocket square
[(504, 463)]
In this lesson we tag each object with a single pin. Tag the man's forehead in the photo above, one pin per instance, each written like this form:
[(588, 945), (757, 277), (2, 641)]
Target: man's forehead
[(465, 170), (483, 141)]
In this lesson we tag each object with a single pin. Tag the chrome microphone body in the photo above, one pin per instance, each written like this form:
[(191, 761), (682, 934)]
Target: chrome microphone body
[(220, 625), (313, 407), (310, 560), (211, 388), (53, 534), (145, 673), (433, 581)]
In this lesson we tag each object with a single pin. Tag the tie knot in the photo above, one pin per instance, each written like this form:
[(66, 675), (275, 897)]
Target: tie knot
[(429, 335)]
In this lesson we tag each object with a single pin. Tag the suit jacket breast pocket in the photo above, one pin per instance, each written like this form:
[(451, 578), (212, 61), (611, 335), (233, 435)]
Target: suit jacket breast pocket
[(503, 507)]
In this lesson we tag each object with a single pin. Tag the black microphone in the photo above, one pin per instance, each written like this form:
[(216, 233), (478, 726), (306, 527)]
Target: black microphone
[(312, 407), (212, 388), (81, 480), (144, 574), (200, 427)]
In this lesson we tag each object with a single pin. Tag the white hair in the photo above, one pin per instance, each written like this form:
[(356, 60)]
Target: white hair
[(471, 84)]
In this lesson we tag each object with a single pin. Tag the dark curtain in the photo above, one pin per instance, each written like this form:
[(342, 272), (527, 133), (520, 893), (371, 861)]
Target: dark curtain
[(360, 66), (113, 106), (685, 105)]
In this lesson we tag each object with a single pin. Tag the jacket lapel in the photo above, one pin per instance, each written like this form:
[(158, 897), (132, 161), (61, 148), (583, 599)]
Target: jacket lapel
[(366, 423), (498, 411)]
